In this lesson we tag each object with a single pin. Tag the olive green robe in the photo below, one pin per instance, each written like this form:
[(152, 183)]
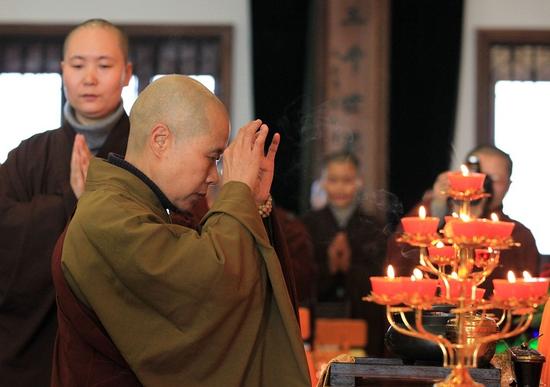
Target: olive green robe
[(183, 308)]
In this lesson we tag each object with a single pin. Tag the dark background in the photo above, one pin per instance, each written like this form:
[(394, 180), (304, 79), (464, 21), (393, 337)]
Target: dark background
[(424, 55)]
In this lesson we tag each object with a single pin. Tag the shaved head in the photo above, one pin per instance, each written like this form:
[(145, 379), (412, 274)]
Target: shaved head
[(178, 131), (177, 101), (100, 23)]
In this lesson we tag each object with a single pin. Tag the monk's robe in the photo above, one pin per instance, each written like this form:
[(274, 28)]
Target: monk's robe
[(36, 202), (183, 308)]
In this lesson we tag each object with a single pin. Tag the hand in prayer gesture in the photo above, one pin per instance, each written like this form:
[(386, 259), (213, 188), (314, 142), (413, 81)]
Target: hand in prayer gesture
[(244, 160), (80, 160), (339, 254)]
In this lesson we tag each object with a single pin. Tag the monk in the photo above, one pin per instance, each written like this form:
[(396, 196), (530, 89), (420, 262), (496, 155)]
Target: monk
[(40, 183), (166, 305)]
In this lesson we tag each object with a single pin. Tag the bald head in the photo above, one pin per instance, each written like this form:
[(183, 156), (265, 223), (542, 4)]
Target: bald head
[(177, 101), (100, 23)]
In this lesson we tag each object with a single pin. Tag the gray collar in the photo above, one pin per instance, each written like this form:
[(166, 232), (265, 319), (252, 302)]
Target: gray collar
[(343, 215), (96, 134)]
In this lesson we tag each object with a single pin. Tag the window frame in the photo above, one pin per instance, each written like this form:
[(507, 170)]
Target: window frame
[(223, 33), (485, 98)]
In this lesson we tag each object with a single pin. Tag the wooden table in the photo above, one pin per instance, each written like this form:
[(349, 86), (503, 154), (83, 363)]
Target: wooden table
[(392, 372)]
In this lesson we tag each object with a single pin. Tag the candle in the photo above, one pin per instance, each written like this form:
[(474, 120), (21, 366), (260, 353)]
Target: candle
[(480, 293), (420, 224), (511, 288), (498, 229), (468, 228), (455, 288), (538, 287), (441, 253), (424, 287), (447, 229), (390, 285), (466, 181)]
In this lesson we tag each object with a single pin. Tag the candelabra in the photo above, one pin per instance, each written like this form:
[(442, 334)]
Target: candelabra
[(460, 257)]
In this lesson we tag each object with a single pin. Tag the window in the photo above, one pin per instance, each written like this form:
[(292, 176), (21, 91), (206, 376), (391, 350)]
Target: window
[(22, 93), (522, 128), (513, 99)]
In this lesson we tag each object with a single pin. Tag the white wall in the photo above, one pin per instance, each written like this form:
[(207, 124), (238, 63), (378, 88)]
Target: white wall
[(484, 14), (232, 12)]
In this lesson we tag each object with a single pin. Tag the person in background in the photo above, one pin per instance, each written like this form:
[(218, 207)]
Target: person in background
[(498, 166), (143, 301), (300, 252), (349, 247), (40, 183)]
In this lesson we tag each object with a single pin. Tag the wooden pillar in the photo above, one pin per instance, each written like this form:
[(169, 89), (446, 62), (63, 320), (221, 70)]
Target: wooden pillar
[(351, 87)]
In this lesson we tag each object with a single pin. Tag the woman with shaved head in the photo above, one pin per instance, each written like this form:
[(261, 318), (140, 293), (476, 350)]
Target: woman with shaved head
[(143, 301), (40, 183)]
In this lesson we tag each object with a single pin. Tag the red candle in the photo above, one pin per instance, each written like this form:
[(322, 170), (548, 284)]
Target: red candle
[(384, 286), (447, 229), (390, 285), (498, 229), (441, 251), (466, 181), (480, 293), (481, 227), (511, 288), (469, 228), (420, 224), (455, 288), (424, 287), (538, 287)]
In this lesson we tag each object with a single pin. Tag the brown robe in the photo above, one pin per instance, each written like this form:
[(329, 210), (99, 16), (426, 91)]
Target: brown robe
[(36, 200), (187, 308)]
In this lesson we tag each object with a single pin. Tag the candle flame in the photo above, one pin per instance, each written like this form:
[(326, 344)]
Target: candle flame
[(422, 212), (511, 277), (494, 217), (439, 244), (454, 215), (464, 169), (417, 273), (454, 275), (527, 276), (465, 217), (490, 250), (391, 272)]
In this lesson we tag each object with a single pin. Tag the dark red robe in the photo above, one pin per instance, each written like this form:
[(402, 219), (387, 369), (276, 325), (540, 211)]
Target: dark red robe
[(82, 343), (36, 200)]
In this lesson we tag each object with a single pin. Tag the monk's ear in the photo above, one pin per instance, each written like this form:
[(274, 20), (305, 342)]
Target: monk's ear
[(159, 139)]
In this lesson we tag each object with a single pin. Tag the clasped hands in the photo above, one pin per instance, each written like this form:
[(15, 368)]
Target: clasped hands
[(80, 161), (244, 159), (339, 254)]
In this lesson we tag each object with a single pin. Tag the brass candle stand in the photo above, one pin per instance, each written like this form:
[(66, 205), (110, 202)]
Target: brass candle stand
[(466, 270)]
